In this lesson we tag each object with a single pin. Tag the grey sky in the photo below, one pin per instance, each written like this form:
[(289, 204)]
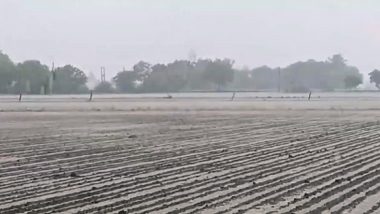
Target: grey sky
[(117, 33)]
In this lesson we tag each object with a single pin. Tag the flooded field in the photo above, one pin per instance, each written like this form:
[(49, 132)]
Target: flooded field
[(266, 153), (241, 101)]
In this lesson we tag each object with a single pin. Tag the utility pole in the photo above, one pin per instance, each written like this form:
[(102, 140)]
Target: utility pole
[(102, 74)]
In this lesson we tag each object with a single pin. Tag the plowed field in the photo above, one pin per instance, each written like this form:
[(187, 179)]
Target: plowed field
[(190, 162)]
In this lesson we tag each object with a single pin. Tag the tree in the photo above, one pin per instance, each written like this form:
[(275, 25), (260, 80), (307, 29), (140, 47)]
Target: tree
[(196, 80), (172, 77), (352, 81), (143, 69), (337, 60), (265, 78), (157, 80), (374, 77), (219, 72), (177, 74), (303, 76), (104, 87), (7, 73), (316, 75), (195, 74), (126, 81), (69, 80), (243, 80), (31, 77)]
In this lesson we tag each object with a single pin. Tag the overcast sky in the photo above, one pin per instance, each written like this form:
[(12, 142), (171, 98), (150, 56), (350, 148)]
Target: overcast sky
[(118, 33)]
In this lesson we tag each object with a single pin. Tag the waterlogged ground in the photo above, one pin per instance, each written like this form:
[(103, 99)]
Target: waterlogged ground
[(189, 160), (248, 101)]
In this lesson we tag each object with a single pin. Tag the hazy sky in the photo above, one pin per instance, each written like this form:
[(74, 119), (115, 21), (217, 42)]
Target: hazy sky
[(117, 33)]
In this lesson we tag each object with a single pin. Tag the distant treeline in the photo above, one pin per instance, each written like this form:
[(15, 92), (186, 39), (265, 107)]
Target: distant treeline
[(183, 75)]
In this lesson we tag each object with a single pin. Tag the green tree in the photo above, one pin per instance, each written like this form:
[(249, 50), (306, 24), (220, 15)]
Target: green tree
[(337, 60), (242, 80), (7, 73), (196, 80), (157, 80), (177, 74), (126, 81), (172, 77), (69, 80), (265, 78), (104, 87), (31, 77), (310, 75), (219, 72), (374, 77), (352, 81), (143, 69)]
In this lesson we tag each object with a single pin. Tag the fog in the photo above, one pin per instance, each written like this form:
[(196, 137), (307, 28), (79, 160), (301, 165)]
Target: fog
[(117, 34), (189, 106)]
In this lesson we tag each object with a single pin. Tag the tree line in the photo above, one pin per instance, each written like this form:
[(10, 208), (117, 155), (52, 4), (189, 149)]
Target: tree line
[(184, 75)]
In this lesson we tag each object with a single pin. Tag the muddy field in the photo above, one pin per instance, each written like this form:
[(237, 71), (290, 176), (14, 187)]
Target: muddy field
[(185, 159)]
